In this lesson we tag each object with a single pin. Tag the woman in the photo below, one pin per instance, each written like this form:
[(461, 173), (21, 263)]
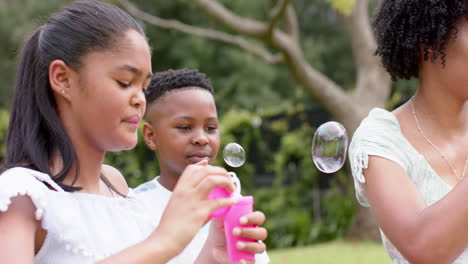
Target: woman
[(409, 165)]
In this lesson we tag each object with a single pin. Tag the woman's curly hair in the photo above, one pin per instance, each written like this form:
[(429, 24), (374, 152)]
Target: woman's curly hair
[(406, 28)]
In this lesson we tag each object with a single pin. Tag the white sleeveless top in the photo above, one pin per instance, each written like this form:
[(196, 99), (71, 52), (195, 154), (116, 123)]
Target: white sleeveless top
[(81, 228), (380, 135)]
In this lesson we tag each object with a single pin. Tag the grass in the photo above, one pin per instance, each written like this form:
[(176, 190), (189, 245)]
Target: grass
[(337, 252)]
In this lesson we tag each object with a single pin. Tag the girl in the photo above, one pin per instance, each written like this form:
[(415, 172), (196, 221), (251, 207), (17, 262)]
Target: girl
[(80, 93)]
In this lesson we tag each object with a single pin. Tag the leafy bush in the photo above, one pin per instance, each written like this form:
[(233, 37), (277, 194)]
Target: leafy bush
[(4, 119), (302, 205)]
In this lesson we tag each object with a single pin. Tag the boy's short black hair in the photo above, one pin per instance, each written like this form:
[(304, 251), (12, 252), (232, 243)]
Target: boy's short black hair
[(408, 30), (163, 82)]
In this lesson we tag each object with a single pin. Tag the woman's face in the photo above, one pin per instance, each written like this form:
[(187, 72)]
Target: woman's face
[(107, 100), (453, 76)]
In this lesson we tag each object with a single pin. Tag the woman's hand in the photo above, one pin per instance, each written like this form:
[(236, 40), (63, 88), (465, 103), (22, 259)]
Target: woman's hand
[(188, 209)]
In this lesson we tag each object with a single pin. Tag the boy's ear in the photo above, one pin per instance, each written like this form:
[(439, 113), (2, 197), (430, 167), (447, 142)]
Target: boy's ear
[(148, 135)]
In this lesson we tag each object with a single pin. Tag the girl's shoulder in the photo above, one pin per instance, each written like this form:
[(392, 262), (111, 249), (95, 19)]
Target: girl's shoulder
[(81, 227), (22, 181), (116, 178)]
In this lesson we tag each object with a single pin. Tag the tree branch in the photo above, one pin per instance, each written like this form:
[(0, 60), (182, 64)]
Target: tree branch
[(244, 26), (369, 69), (330, 94), (333, 97), (360, 32), (202, 32), (292, 27), (276, 14)]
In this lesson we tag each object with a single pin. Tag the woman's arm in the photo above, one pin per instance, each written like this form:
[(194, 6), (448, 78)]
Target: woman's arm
[(423, 234)]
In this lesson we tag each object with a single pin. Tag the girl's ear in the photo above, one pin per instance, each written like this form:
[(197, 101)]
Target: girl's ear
[(59, 79), (148, 135)]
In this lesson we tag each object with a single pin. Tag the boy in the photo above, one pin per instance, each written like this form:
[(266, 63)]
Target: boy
[(182, 128)]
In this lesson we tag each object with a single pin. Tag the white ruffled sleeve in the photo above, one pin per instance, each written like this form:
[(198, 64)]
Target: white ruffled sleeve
[(378, 135), (22, 181)]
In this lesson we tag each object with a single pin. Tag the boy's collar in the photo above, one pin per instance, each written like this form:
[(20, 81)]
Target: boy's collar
[(158, 185)]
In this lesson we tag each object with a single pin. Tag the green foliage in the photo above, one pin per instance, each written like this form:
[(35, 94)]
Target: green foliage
[(339, 204), (291, 220), (18, 18), (401, 92), (283, 151), (243, 128), (345, 7), (260, 106), (4, 119)]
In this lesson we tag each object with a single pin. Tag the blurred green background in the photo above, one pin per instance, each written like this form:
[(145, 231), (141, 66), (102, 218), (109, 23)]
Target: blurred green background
[(262, 106)]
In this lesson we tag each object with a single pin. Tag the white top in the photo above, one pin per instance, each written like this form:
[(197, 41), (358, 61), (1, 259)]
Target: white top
[(380, 135), (193, 249), (81, 228)]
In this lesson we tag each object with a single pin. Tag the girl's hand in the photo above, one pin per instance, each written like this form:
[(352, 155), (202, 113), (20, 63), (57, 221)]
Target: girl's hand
[(189, 208)]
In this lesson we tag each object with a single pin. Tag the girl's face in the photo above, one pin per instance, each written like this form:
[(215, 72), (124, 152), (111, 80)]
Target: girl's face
[(107, 97)]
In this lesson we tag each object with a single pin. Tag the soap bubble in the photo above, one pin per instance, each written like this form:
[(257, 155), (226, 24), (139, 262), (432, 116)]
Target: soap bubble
[(329, 147), (234, 155)]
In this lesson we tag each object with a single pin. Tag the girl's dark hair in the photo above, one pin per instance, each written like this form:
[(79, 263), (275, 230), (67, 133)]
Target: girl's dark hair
[(406, 30), (35, 133)]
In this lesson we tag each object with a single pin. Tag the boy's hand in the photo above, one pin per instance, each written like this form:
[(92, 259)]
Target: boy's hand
[(256, 233)]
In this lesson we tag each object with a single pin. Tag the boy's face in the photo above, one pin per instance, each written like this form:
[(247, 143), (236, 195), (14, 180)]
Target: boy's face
[(182, 129)]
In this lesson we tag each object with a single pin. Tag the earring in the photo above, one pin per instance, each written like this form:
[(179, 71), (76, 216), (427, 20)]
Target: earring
[(63, 92)]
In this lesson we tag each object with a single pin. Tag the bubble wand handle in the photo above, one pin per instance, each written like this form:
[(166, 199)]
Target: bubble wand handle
[(231, 219)]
